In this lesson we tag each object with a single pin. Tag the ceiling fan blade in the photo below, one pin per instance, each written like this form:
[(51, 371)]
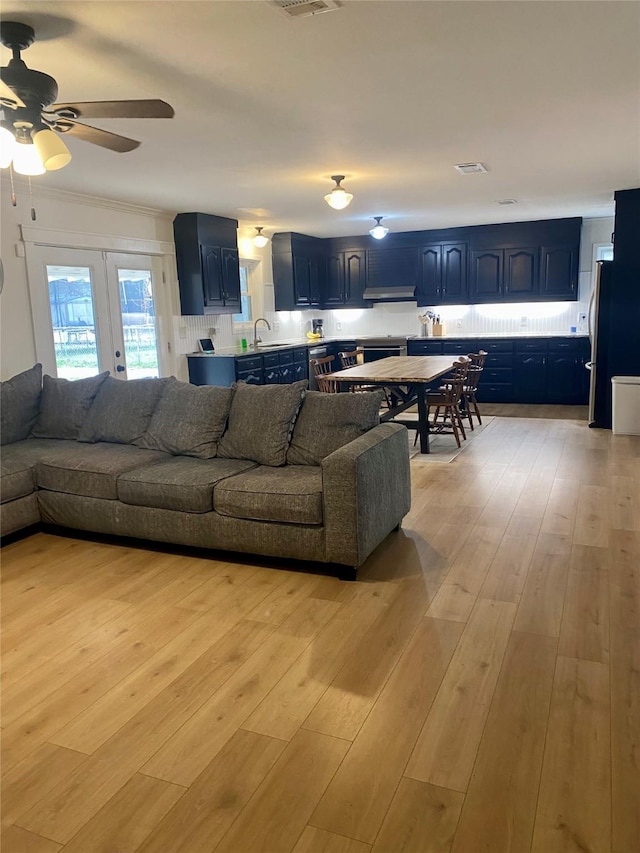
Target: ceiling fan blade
[(114, 109), (104, 138), (8, 97)]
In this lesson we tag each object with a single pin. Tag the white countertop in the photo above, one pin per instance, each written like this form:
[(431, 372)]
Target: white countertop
[(274, 346)]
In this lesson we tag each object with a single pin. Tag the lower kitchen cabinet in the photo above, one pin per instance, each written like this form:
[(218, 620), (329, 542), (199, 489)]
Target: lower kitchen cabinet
[(522, 370), (270, 368)]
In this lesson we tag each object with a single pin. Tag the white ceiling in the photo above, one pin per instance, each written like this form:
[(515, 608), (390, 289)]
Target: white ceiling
[(390, 93)]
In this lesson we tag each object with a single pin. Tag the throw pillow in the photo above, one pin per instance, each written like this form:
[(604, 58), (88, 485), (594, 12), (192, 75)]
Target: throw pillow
[(189, 420), (121, 410), (260, 422), (328, 421), (64, 405), (19, 403)]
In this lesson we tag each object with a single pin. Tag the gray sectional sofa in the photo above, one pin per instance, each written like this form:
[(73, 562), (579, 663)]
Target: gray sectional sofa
[(271, 470)]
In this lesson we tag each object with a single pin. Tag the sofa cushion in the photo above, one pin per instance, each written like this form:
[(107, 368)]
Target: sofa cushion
[(121, 411), (19, 403), (18, 465), (189, 419), (260, 422), (179, 483), (291, 494), (64, 405), (91, 469), (327, 422)]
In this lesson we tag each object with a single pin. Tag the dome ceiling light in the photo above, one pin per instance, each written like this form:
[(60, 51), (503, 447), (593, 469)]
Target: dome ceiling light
[(260, 240), (379, 231), (338, 198)]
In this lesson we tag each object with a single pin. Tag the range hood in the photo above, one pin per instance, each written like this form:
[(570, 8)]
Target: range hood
[(390, 294)]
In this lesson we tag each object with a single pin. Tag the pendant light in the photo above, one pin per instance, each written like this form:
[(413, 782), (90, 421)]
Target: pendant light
[(338, 198), (260, 240), (378, 231)]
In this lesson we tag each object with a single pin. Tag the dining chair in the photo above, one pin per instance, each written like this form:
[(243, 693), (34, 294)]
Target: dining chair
[(321, 368), (350, 359), (469, 401), (447, 418)]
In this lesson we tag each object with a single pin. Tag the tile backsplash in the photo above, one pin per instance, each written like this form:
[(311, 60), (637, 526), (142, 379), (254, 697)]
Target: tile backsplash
[(389, 319)]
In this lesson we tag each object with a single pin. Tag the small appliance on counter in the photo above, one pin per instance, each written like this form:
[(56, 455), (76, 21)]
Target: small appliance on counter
[(317, 327)]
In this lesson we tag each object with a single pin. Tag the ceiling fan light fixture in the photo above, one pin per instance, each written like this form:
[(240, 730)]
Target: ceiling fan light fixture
[(26, 160), (260, 240), (338, 198), (378, 231), (7, 147), (53, 153)]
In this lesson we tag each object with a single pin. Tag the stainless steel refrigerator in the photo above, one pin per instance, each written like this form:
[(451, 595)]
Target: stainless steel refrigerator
[(614, 331)]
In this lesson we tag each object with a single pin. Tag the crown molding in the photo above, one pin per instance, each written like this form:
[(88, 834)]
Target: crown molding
[(95, 201), (101, 242)]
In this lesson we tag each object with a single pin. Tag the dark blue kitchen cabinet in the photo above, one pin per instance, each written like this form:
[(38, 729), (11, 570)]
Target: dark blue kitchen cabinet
[(521, 272), (207, 263), (504, 274), (298, 271), (530, 373), (443, 274), (567, 376), (559, 274), (485, 275), (346, 279), (270, 368)]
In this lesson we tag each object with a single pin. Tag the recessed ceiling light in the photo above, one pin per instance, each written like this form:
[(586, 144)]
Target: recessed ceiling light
[(508, 201), (470, 168)]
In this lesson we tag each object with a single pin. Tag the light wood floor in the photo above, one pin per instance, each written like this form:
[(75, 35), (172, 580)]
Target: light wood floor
[(476, 691)]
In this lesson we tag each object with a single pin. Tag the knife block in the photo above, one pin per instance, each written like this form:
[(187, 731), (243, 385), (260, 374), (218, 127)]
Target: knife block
[(438, 330)]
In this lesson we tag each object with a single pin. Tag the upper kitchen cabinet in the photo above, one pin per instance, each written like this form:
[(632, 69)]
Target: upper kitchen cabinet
[(346, 279), (443, 274), (208, 264), (298, 271), (504, 274), (559, 277)]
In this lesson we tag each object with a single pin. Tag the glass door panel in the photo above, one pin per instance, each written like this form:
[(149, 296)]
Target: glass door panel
[(138, 317), (73, 321)]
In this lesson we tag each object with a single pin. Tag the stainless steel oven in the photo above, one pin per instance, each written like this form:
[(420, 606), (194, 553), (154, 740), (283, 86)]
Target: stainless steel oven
[(374, 349)]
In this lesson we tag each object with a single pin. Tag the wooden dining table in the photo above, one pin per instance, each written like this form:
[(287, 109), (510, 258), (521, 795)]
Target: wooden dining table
[(408, 376)]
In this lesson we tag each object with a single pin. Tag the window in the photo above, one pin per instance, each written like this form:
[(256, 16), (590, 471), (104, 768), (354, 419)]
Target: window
[(244, 316)]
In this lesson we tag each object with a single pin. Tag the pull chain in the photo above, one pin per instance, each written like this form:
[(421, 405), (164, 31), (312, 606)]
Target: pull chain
[(33, 210), (14, 200)]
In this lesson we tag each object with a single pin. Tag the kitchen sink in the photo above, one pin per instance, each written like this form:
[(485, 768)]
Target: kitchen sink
[(270, 346)]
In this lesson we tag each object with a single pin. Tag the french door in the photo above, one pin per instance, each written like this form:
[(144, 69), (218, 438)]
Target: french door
[(95, 311)]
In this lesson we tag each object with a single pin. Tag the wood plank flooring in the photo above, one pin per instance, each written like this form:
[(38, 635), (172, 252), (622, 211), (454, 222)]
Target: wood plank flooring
[(477, 690)]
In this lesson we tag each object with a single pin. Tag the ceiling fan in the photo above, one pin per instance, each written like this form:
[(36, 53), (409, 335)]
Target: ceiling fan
[(31, 129)]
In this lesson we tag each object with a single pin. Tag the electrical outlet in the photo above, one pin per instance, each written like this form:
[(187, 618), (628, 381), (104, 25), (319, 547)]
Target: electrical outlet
[(212, 332), (582, 317), (338, 326), (182, 333), (459, 324), (523, 320)]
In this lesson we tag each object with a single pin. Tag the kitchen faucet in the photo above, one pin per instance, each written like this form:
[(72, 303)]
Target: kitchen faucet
[(256, 339)]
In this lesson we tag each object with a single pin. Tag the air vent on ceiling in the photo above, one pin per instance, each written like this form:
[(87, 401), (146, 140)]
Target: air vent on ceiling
[(508, 201), (470, 168), (304, 8)]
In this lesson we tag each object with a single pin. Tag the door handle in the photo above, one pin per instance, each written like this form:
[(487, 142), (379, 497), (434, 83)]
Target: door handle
[(120, 368)]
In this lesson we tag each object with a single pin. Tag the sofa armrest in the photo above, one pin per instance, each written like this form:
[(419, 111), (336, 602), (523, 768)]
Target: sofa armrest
[(366, 487)]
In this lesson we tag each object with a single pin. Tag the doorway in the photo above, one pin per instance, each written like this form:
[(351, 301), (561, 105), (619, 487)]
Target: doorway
[(95, 311)]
